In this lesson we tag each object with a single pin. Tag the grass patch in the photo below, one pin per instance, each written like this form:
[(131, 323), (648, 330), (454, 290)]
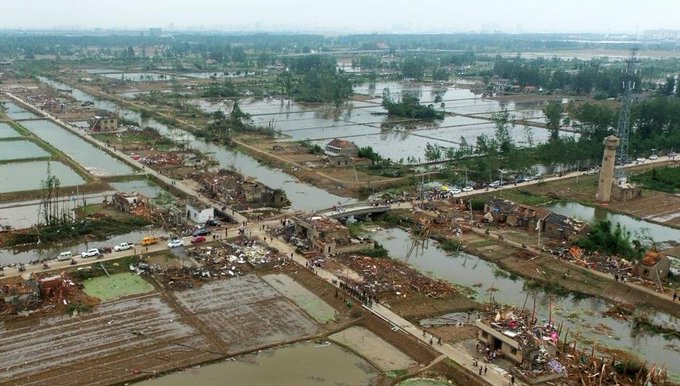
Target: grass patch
[(525, 197), (662, 180), (118, 285)]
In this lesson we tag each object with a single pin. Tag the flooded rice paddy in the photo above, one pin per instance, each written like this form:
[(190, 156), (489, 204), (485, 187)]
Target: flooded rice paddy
[(144, 187), (32, 175), (301, 195), (7, 131), (313, 305), (583, 315), (15, 112), (95, 160), (303, 364), (20, 149)]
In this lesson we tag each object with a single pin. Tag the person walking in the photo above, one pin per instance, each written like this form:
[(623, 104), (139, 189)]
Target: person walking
[(512, 379)]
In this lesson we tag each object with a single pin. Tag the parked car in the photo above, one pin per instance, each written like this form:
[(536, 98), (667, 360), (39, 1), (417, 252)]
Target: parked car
[(653, 157), (92, 252), (176, 243), (198, 239), (65, 256), (495, 184), (468, 189), (200, 232), (122, 247), (212, 223), (455, 191)]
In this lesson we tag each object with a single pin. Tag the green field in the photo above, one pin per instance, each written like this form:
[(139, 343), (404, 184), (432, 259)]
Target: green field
[(119, 284)]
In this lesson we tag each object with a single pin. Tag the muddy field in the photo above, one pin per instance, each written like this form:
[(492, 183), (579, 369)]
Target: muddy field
[(114, 342), (247, 313)]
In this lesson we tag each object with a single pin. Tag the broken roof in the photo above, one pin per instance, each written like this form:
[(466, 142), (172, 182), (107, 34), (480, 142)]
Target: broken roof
[(341, 143)]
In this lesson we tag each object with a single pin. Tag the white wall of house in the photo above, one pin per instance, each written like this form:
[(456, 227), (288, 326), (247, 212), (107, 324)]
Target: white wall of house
[(199, 216)]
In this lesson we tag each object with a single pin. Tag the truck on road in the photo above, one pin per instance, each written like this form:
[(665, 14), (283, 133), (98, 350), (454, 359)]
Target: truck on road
[(149, 240)]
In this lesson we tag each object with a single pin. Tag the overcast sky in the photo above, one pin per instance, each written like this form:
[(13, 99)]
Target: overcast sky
[(347, 16)]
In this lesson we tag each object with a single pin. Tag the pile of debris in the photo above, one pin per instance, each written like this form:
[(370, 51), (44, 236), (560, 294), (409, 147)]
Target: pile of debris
[(41, 294), (221, 261), (386, 278), (515, 334)]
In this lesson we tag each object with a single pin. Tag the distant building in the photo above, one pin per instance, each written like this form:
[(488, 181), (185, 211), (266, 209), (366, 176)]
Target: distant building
[(341, 147), (654, 266), (102, 122), (199, 212)]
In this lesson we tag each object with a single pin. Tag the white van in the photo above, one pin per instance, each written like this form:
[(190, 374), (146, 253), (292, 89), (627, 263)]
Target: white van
[(65, 256)]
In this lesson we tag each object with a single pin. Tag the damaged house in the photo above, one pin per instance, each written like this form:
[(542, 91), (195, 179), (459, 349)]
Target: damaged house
[(328, 235)]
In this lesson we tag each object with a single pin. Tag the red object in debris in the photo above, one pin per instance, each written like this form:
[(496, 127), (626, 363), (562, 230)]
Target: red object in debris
[(198, 239), (136, 371), (136, 157)]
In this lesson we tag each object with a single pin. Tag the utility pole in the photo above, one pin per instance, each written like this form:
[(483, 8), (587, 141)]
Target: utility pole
[(623, 126)]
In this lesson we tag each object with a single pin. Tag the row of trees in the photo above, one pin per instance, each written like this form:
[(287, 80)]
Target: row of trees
[(574, 76)]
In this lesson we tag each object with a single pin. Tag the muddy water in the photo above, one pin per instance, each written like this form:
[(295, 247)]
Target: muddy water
[(16, 150), (27, 254), (95, 160), (578, 315), (590, 214), (33, 173), (301, 195), (303, 364)]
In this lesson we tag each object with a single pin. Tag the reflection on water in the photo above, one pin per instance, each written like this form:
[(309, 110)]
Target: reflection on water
[(301, 195), (303, 364), (591, 214), (577, 315), (15, 177)]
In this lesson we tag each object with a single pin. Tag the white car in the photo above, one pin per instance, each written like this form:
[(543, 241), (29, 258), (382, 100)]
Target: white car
[(653, 157), (455, 191), (175, 243), (122, 247), (92, 252), (468, 189)]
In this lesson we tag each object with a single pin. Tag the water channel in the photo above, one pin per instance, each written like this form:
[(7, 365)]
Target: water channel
[(591, 214), (301, 195), (302, 364), (31, 253), (577, 314)]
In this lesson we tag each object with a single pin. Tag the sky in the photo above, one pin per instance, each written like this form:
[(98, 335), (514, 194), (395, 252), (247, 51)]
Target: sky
[(348, 16)]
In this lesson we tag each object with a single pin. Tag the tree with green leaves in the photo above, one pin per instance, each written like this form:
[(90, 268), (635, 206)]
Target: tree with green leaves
[(502, 134), (553, 117)]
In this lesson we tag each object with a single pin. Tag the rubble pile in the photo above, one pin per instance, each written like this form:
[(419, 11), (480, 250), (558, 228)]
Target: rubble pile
[(387, 278), (41, 294), (222, 261)]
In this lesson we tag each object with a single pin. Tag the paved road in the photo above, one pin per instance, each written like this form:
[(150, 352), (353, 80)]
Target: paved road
[(494, 376)]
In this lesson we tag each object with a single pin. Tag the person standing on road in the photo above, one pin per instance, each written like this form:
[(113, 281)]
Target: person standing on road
[(512, 379)]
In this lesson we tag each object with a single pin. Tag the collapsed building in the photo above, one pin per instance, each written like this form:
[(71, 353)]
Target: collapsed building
[(235, 190), (518, 338), (328, 236), (534, 218)]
